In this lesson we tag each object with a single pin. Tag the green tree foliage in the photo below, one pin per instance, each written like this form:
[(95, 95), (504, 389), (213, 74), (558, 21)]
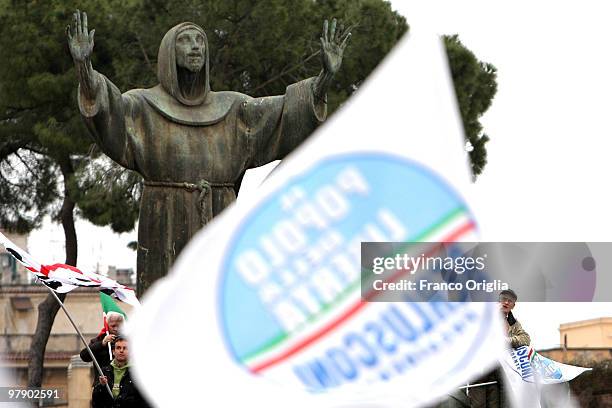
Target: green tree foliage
[(41, 132), (35, 115), (475, 86), (107, 194), (25, 200), (42, 139), (44, 145)]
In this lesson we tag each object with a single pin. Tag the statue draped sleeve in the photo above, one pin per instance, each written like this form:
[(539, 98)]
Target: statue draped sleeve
[(111, 120), (275, 125)]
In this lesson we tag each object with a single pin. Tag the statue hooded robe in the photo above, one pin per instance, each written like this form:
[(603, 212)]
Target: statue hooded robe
[(191, 151)]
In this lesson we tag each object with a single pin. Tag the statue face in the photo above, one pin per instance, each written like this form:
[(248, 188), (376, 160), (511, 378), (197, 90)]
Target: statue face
[(190, 50)]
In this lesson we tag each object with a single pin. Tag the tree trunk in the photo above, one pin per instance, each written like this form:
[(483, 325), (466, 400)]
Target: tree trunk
[(47, 310)]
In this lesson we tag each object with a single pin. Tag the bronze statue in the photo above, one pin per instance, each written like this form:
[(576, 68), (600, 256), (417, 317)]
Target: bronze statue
[(190, 144)]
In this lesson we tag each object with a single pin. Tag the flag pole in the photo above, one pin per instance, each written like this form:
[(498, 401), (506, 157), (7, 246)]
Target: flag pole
[(81, 336), (110, 350)]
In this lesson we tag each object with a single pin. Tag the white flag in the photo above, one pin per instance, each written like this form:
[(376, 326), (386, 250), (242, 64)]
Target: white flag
[(265, 304), (526, 372)]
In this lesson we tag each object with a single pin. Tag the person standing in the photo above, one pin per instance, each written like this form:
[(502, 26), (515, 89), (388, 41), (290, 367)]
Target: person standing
[(493, 395), (517, 336), (99, 344), (118, 377)]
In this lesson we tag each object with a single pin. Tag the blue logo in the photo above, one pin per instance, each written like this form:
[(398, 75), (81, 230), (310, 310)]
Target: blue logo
[(292, 270)]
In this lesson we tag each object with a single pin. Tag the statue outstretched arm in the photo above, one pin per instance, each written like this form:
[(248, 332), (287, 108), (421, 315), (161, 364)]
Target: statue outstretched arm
[(105, 110), (81, 43), (333, 43), (278, 124)]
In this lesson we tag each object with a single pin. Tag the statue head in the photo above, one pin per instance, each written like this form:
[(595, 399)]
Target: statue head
[(184, 46), (190, 49)]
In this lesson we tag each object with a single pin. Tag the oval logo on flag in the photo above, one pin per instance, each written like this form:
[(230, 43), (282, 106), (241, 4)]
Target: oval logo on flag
[(291, 303)]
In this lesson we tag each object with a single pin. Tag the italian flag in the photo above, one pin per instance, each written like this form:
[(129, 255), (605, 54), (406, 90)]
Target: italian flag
[(109, 307)]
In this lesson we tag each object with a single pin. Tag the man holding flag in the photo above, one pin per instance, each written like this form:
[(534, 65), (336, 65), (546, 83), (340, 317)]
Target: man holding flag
[(493, 395), (527, 373), (125, 394)]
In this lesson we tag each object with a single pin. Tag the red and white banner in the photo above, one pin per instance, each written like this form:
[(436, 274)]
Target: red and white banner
[(63, 278)]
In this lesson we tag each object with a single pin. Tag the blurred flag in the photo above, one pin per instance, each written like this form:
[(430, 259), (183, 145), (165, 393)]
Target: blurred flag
[(63, 278), (526, 372), (269, 292)]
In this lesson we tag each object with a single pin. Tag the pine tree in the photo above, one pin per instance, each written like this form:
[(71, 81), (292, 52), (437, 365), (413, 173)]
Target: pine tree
[(475, 86)]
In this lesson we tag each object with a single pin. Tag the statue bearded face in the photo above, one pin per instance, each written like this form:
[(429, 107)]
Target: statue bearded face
[(190, 50)]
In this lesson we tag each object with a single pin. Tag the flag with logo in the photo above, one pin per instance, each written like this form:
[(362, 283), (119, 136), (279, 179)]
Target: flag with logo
[(63, 278), (273, 283), (526, 371)]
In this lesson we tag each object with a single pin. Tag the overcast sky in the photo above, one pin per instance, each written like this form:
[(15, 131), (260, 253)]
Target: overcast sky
[(548, 176)]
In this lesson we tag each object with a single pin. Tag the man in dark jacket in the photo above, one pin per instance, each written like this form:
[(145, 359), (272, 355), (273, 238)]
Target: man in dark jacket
[(117, 376), (99, 344)]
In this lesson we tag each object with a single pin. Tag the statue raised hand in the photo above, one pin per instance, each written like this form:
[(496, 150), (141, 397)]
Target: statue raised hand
[(333, 43), (81, 43)]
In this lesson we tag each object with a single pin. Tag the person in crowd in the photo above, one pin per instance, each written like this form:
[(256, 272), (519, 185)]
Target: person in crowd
[(117, 376), (493, 395), (517, 336), (99, 344)]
